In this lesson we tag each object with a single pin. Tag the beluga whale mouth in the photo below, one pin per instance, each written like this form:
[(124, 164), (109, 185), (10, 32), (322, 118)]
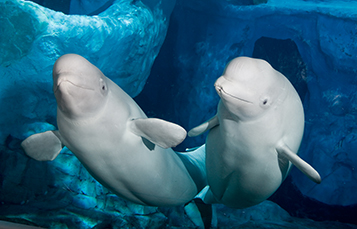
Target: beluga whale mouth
[(220, 90), (68, 81)]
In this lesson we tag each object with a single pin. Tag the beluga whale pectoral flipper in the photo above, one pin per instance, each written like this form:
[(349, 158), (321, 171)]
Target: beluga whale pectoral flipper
[(158, 131), (43, 146), (254, 138), (121, 147)]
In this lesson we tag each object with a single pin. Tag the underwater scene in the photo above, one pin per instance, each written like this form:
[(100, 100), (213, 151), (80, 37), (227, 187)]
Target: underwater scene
[(178, 114)]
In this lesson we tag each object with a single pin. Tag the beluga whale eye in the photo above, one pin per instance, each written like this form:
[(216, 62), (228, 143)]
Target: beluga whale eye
[(265, 102), (103, 86)]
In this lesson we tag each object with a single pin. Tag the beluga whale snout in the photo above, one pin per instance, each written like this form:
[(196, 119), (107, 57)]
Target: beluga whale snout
[(80, 88), (221, 92)]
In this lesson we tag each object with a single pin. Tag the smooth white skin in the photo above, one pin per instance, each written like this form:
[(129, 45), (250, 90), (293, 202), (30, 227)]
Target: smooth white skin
[(93, 118), (258, 109)]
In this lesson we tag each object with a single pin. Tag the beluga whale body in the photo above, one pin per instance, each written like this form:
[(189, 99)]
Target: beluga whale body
[(111, 136), (254, 138)]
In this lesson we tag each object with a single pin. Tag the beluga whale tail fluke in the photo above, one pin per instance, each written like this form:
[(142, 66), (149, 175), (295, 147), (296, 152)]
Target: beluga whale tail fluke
[(121, 147), (254, 138)]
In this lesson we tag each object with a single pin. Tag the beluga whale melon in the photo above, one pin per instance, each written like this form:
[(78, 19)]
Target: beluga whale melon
[(111, 136), (254, 138)]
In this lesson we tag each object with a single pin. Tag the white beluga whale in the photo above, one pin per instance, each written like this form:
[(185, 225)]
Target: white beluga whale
[(111, 136), (254, 138)]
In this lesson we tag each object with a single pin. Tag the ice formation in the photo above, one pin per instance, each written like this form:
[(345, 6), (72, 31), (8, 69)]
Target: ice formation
[(123, 41)]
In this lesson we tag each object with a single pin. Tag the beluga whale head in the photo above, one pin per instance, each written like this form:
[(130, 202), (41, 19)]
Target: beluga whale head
[(250, 87), (80, 88)]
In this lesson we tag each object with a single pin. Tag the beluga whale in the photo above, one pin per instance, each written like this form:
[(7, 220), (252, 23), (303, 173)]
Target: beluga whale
[(254, 138), (121, 147)]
